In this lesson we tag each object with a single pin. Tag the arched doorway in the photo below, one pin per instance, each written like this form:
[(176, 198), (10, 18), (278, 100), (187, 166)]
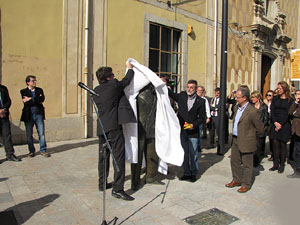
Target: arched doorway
[(266, 64)]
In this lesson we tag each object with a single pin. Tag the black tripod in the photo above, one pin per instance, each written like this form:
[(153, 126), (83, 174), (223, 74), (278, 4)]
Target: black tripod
[(105, 146)]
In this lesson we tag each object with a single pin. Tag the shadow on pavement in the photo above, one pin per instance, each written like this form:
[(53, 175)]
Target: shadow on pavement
[(207, 160), (25, 210), (65, 147)]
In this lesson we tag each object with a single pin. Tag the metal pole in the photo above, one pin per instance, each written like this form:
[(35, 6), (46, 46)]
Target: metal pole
[(223, 80), (216, 45)]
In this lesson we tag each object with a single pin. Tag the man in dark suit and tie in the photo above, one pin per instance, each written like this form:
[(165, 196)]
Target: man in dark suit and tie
[(214, 122), (114, 110), (191, 113), (5, 103), (246, 123)]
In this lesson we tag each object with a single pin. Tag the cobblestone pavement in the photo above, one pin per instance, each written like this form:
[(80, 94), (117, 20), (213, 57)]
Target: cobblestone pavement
[(63, 189)]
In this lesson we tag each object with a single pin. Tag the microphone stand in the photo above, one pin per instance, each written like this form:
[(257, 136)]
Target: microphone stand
[(106, 146)]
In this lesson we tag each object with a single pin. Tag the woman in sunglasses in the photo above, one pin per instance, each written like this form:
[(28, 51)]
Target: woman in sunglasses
[(268, 101)]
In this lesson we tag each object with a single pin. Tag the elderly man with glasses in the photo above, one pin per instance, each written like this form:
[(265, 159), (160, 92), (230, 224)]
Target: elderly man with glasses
[(246, 122)]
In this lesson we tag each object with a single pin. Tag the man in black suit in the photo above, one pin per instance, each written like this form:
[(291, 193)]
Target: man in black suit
[(5, 103), (214, 123), (191, 113), (114, 110), (33, 113)]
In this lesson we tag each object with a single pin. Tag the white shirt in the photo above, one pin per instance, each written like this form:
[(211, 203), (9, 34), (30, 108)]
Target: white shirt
[(207, 108)]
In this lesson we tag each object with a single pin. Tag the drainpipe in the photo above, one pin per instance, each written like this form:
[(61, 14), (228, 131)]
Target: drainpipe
[(215, 44), (86, 70)]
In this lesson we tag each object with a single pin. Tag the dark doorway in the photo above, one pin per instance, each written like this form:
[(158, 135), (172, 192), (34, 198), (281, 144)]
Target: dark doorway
[(265, 74)]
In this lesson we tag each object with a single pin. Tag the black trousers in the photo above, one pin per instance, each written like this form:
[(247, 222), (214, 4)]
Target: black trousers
[(213, 129), (6, 135), (279, 153), (117, 142)]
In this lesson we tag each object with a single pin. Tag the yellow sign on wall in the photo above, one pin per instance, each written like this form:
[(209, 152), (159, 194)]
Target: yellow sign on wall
[(296, 64)]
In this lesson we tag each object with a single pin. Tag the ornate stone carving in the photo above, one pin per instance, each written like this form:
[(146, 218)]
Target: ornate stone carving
[(258, 8), (266, 33), (280, 19)]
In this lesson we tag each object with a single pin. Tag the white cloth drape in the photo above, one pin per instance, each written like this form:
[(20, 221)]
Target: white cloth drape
[(167, 129)]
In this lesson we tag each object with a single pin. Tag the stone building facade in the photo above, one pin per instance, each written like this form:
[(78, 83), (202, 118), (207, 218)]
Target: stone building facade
[(63, 42)]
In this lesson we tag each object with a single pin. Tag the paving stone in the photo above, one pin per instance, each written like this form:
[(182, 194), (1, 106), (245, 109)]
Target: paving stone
[(15, 181), (3, 187), (19, 190), (63, 189), (5, 197)]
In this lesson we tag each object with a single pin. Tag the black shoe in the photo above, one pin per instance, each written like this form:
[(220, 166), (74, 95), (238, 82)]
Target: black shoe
[(273, 168), (210, 146), (31, 154), (13, 158), (122, 194), (108, 186), (281, 169), (193, 178), (184, 177)]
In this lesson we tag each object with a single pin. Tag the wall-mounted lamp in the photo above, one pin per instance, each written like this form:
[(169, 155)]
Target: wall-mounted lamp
[(189, 29)]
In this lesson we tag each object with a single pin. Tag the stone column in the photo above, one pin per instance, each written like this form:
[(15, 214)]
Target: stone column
[(256, 68)]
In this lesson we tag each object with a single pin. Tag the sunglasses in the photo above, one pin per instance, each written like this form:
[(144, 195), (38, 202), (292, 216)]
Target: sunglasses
[(269, 95)]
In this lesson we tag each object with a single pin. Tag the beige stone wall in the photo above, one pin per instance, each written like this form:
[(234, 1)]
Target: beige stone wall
[(125, 36), (32, 44), (239, 70), (44, 38), (291, 10)]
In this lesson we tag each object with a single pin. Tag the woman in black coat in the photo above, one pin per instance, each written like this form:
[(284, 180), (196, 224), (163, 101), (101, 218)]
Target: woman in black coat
[(281, 126)]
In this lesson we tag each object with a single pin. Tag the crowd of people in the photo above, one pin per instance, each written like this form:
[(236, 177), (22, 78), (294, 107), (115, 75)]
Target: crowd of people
[(278, 113), (254, 118)]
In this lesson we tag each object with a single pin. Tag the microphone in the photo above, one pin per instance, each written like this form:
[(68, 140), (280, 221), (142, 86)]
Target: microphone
[(82, 85)]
